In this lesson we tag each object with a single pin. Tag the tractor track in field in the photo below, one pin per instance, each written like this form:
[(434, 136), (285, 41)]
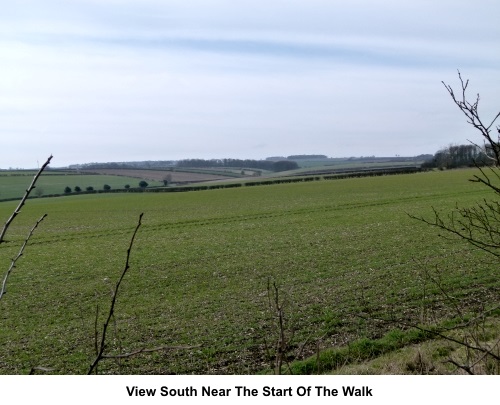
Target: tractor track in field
[(40, 240)]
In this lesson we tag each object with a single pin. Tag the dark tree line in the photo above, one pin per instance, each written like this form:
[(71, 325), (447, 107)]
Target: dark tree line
[(455, 156), (305, 157), (239, 163), (156, 164)]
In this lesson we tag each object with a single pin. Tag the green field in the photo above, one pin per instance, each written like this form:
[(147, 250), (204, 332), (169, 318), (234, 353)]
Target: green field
[(202, 261), (14, 184)]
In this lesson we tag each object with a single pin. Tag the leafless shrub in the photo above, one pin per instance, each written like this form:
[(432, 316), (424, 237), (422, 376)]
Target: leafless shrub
[(280, 349), (478, 226)]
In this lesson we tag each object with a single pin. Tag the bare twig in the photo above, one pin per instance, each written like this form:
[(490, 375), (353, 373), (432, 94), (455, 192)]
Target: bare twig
[(318, 359), (14, 260), (23, 200), (470, 110), (472, 360), (279, 310), (3, 291), (96, 331), (476, 225), (452, 300), (438, 333), (100, 348), (467, 369)]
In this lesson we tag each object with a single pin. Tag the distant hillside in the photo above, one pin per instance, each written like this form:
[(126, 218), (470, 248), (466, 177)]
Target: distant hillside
[(148, 164), (265, 164), (297, 157)]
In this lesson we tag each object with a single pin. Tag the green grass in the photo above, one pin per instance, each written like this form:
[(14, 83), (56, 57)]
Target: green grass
[(358, 351), (202, 261)]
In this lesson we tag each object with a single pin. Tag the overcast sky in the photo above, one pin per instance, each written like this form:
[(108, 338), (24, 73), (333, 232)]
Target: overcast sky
[(111, 80)]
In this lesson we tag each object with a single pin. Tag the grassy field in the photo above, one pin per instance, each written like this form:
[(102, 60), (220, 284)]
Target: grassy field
[(202, 262), (14, 184), (176, 176)]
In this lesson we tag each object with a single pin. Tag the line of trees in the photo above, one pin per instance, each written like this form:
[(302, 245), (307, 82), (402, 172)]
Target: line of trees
[(454, 156), (155, 164), (78, 189), (106, 187), (278, 166), (305, 157)]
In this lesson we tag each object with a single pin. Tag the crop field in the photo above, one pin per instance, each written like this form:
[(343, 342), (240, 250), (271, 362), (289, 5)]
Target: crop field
[(202, 264), (159, 175)]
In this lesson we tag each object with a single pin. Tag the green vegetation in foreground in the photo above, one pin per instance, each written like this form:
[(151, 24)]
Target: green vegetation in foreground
[(358, 351), (14, 185), (202, 261), (411, 351)]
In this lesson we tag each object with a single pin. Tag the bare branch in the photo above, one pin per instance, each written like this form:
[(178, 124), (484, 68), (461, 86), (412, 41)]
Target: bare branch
[(14, 260), (102, 346), (23, 200), (277, 308), (438, 333), (485, 179), (470, 110), (96, 332), (467, 369), (479, 226)]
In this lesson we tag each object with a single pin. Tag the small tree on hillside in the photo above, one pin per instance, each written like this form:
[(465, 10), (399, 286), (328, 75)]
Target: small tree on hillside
[(143, 184), (167, 179)]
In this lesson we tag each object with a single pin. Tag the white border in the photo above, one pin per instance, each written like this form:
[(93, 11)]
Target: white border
[(56, 390)]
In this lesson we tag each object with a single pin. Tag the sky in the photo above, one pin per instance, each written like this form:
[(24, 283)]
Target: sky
[(132, 80)]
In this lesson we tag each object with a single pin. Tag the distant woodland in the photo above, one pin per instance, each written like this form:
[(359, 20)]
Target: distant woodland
[(454, 156)]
